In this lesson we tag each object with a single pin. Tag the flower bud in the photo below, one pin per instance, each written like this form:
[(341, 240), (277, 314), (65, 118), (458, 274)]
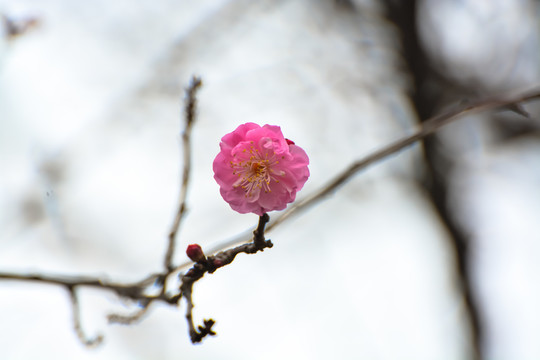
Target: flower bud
[(195, 253), (217, 263)]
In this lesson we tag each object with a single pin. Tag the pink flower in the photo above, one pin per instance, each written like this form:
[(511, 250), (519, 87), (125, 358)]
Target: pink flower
[(258, 170)]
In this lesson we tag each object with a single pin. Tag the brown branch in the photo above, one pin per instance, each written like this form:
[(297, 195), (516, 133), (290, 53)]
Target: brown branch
[(124, 290), (191, 101), (89, 342), (211, 264), (196, 335), (132, 318), (137, 291), (134, 291), (427, 128)]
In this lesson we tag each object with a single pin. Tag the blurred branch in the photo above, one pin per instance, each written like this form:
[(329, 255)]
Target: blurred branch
[(430, 83), (15, 27), (131, 318), (427, 128), (89, 342), (132, 291), (190, 111)]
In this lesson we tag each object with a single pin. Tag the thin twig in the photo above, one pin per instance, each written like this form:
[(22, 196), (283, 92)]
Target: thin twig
[(134, 291), (191, 101), (196, 335), (89, 342), (428, 127), (130, 319), (211, 264)]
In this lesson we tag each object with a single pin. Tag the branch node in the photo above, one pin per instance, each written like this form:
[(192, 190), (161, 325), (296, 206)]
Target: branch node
[(518, 109)]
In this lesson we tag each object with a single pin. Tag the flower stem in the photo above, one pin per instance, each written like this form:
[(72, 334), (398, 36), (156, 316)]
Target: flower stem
[(258, 234)]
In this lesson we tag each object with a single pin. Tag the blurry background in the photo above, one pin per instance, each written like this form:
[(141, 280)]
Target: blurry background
[(432, 254)]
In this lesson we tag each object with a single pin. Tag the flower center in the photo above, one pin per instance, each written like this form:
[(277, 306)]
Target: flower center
[(254, 172)]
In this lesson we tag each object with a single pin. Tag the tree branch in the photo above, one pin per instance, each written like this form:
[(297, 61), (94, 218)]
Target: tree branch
[(211, 264), (427, 128), (132, 318), (137, 291), (190, 112), (134, 291), (89, 342)]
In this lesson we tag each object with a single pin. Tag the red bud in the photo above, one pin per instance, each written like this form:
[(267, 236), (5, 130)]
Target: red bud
[(195, 253)]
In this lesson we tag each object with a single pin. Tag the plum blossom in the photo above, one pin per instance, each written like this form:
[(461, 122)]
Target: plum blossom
[(258, 170)]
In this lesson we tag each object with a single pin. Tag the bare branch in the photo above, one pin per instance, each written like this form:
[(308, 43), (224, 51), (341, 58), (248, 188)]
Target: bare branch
[(211, 264), (428, 127), (135, 291), (89, 342), (14, 27), (187, 290), (131, 318), (190, 111)]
